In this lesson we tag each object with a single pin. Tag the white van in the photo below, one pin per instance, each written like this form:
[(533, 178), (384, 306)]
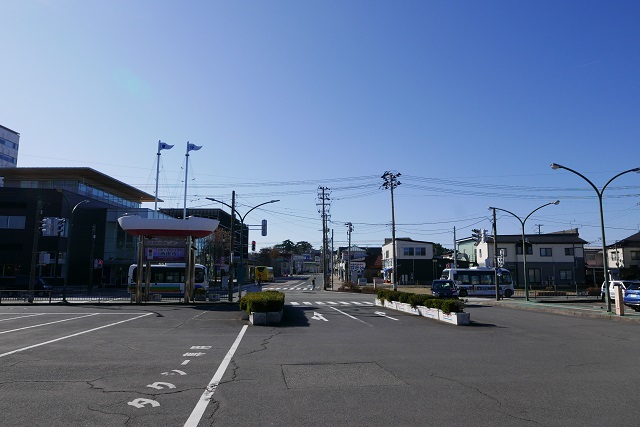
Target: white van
[(612, 290)]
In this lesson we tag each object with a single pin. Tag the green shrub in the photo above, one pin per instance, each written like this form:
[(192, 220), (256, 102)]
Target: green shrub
[(418, 299), (260, 302), (404, 297)]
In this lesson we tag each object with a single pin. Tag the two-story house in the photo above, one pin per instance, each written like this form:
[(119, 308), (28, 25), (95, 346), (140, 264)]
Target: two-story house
[(552, 258), (624, 256), (415, 261)]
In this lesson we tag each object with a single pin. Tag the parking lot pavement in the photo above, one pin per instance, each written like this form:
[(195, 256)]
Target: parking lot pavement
[(593, 308)]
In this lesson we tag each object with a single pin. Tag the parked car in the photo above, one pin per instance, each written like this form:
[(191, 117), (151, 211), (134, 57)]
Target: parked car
[(612, 287), (444, 288), (632, 296)]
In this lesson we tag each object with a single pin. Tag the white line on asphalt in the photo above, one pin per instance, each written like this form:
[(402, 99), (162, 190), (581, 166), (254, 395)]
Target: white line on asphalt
[(348, 315), (367, 303), (72, 335), (48, 323), (356, 303), (306, 303), (345, 303), (21, 317), (332, 303), (294, 303), (320, 303), (202, 404)]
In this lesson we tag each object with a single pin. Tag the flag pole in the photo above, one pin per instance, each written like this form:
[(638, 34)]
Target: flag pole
[(155, 208), (186, 172)]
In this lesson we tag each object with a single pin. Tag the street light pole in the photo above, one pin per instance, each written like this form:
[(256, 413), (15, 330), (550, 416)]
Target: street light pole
[(242, 217), (524, 247), (66, 264), (605, 261)]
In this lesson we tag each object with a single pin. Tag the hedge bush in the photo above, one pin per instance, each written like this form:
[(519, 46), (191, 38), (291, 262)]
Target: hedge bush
[(261, 302), (453, 305)]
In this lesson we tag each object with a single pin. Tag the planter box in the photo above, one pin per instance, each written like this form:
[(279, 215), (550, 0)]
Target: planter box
[(264, 318), (431, 313)]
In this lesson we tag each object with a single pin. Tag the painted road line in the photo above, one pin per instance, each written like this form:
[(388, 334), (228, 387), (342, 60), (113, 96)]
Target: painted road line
[(350, 316), (332, 303), (356, 303), (318, 316), (201, 406), (73, 335), (306, 303), (345, 303), (382, 313), (367, 303), (320, 303), (294, 303), (21, 317), (48, 323)]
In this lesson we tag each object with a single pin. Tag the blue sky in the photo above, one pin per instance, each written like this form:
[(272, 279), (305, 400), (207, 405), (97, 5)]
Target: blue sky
[(469, 100)]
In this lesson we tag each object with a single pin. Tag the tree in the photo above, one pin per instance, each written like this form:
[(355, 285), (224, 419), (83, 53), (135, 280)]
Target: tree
[(302, 248), (287, 246), (439, 250)]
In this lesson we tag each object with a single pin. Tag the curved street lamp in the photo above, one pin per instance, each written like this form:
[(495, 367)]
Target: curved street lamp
[(242, 217), (605, 261), (66, 264), (524, 247)]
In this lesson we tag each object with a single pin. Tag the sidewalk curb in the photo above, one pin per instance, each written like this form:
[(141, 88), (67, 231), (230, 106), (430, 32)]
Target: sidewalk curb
[(564, 309)]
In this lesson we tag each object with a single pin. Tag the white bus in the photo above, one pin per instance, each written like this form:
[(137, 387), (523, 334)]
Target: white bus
[(479, 281), (167, 279)]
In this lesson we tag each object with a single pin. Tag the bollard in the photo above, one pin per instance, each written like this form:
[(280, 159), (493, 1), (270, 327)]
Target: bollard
[(619, 300)]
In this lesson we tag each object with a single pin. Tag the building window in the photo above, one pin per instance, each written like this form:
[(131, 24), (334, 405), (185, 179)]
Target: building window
[(14, 222), (421, 251), (545, 252), (502, 251), (479, 253), (590, 256), (408, 251), (534, 275), (614, 255), (569, 251), (566, 275), (635, 255), (519, 250)]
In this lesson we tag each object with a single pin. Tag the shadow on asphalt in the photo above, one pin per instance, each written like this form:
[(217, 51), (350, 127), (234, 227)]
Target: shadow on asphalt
[(294, 317)]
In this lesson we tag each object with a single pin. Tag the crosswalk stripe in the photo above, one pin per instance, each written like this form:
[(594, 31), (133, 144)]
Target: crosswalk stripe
[(320, 303), (345, 303), (367, 303), (294, 303), (307, 303), (356, 303), (332, 303)]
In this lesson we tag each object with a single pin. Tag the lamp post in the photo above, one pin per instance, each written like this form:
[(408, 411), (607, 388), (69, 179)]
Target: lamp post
[(605, 261), (524, 247), (66, 264), (242, 217)]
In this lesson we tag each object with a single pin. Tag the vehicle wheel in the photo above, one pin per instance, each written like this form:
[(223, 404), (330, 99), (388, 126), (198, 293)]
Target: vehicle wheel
[(463, 293)]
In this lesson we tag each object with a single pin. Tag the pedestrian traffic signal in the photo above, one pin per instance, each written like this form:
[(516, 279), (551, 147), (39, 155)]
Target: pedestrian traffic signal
[(253, 246)]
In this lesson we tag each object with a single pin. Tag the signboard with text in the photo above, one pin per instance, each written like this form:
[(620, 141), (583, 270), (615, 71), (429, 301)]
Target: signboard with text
[(165, 250)]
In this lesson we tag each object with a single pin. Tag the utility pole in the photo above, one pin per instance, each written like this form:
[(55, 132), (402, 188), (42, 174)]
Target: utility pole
[(323, 195), (332, 258), (34, 250), (390, 183), (455, 249), (495, 255), (349, 231)]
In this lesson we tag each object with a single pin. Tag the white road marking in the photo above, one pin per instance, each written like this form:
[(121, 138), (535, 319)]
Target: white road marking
[(345, 303), (21, 317), (348, 315), (367, 303), (202, 404), (356, 303), (381, 313), (140, 403), (173, 372), (320, 303), (48, 323), (73, 335), (306, 303), (159, 385), (185, 362), (294, 303), (332, 303), (318, 316)]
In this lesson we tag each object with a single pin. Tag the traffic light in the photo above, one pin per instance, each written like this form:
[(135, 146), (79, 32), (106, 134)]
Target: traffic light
[(476, 235), (60, 226), (253, 246), (264, 227), (97, 263), (46, 225)]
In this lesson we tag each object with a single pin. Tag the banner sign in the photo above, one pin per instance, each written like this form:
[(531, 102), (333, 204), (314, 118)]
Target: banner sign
[(165, 250)]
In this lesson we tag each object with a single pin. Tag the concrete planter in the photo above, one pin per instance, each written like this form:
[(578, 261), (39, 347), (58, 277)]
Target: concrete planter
[(431, 313), (265, 318)]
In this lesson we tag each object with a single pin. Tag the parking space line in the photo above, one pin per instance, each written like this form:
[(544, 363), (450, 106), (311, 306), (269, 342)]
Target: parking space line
[(205, 398), (21, 317), (73, 335), (48, 323)]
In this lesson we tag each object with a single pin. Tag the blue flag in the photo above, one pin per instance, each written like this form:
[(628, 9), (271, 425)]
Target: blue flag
[(164, 146), (193, 147)]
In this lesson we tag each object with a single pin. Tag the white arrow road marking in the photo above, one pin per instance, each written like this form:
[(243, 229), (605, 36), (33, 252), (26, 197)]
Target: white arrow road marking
[(140, 403), (160, 385), (173, 372), (381, 313), (318, 316)]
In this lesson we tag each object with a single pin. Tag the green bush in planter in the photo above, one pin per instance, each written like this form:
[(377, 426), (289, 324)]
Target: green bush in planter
[(418, 299), (262, 302)]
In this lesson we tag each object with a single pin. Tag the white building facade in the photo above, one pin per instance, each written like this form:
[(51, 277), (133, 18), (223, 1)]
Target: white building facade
[(9, 141)]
